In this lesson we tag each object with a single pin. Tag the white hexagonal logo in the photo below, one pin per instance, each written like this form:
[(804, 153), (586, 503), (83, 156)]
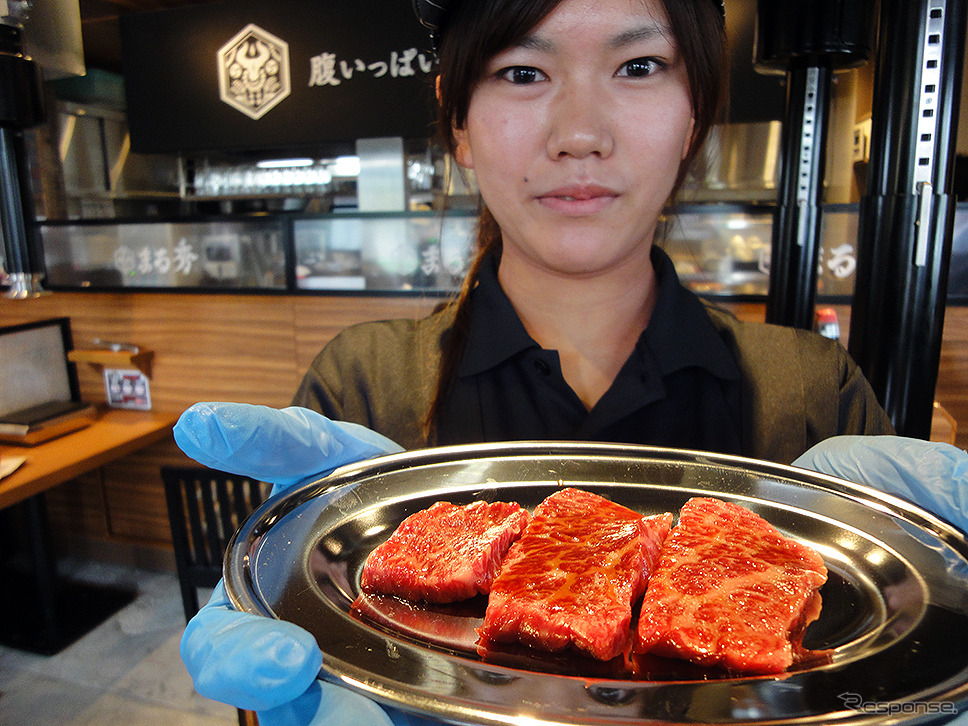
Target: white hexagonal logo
[(253, 71)]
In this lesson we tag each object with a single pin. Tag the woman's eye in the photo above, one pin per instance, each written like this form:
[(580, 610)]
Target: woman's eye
[(639, 67), (521, 74)]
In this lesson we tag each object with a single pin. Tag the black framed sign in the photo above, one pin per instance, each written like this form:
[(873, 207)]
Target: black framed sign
[(245, 75)]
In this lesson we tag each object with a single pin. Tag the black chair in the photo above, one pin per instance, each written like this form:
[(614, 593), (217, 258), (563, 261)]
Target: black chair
[(205, 508)]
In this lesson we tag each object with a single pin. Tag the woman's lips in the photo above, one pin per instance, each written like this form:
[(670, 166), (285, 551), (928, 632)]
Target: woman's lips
[(578, 200)]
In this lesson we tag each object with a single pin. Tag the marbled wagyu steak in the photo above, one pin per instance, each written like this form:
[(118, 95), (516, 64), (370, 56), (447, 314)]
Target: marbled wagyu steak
[(730, 591), (444, 553), (573, 576)]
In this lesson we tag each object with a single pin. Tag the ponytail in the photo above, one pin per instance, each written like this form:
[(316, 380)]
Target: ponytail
[(455, 340)]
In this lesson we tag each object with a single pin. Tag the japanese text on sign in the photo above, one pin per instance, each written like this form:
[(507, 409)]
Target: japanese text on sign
[(842, 262), (328, 70), (146, 260), (432, 262)]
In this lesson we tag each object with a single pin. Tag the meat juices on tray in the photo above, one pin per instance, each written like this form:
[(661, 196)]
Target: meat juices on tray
[(573, 576), (444, 553), (730, 591)]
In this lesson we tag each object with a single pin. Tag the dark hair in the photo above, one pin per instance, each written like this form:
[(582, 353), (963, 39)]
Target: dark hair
[(472, 32)]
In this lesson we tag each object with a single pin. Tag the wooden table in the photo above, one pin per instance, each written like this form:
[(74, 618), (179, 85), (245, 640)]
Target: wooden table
[(115, 434), (39, 610)]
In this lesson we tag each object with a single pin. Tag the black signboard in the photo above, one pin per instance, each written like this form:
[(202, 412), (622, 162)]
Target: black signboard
[(252, 75), (753, 96)]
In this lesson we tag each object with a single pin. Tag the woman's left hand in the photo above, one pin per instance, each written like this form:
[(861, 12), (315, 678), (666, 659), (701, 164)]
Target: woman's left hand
[(930, 474)]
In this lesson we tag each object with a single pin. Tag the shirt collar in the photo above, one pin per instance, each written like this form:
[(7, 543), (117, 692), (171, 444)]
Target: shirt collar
[(680, 334), (496, 332)]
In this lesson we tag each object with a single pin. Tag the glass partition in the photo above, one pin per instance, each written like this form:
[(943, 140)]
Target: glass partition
[(383, 252), (724, 250), (239, 255), (720, 251)]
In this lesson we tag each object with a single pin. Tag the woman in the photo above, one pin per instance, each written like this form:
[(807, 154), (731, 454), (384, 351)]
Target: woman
[(579, 120)]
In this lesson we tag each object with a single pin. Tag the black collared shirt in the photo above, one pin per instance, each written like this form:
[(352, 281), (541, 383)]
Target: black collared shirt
[(680, 387)]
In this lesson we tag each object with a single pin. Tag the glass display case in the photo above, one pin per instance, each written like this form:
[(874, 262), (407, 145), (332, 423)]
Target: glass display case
[(724, 250), (720, 250), (388, 252), (246, 254)]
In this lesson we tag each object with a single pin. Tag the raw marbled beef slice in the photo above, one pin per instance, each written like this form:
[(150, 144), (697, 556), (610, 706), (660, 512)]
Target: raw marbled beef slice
[(444, 553), (729, 591), (574, 575)]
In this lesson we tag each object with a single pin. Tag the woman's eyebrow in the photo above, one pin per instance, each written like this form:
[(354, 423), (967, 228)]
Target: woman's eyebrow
[(625, 38), (534, 42), (635, 35)]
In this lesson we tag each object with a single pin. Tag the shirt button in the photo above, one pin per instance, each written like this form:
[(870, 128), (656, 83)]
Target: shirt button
[(542, 367)]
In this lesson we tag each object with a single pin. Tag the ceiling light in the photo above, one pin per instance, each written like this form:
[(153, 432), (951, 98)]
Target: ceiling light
[(284, 163)]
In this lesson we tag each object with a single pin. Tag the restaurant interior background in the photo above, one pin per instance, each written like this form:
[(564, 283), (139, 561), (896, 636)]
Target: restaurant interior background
[(233, 266)]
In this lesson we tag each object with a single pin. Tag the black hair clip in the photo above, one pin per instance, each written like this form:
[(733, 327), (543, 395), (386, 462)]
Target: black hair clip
[(429, 12)]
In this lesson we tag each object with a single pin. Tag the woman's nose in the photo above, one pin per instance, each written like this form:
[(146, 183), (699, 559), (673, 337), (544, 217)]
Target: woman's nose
[(578, 125)]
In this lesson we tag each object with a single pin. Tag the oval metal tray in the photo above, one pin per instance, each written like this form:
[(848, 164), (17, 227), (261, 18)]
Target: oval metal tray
[(895, 612)]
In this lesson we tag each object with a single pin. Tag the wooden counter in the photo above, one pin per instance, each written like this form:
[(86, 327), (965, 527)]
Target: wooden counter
[(115, 434)]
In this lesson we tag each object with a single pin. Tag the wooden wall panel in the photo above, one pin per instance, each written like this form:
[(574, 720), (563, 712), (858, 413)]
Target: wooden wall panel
[(224, 348), (952, 389), (250, 348), (206, 347)]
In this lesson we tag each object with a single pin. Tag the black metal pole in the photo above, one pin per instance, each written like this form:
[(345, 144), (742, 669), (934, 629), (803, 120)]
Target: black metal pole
[(907, 212), (796, 224), (22, 247), (44, 565), (807, 40), (21, 106)]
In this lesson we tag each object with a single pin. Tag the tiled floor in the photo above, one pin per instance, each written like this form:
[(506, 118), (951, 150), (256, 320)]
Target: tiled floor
[(126, 671)]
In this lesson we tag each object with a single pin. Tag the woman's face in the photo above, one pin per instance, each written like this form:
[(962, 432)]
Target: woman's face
[(576, 134)]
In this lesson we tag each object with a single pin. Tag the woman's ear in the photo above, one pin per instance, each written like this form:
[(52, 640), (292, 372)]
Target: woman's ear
[(690, 139), (462, 148), (462, 152)]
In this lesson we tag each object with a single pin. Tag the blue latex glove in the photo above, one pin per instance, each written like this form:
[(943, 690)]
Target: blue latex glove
[(245, 660), (281, 447), (930, 474), (271, 666)]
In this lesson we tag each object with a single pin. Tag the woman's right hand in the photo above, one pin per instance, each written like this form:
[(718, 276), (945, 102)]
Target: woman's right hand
[(246, 660), (279, 446)]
